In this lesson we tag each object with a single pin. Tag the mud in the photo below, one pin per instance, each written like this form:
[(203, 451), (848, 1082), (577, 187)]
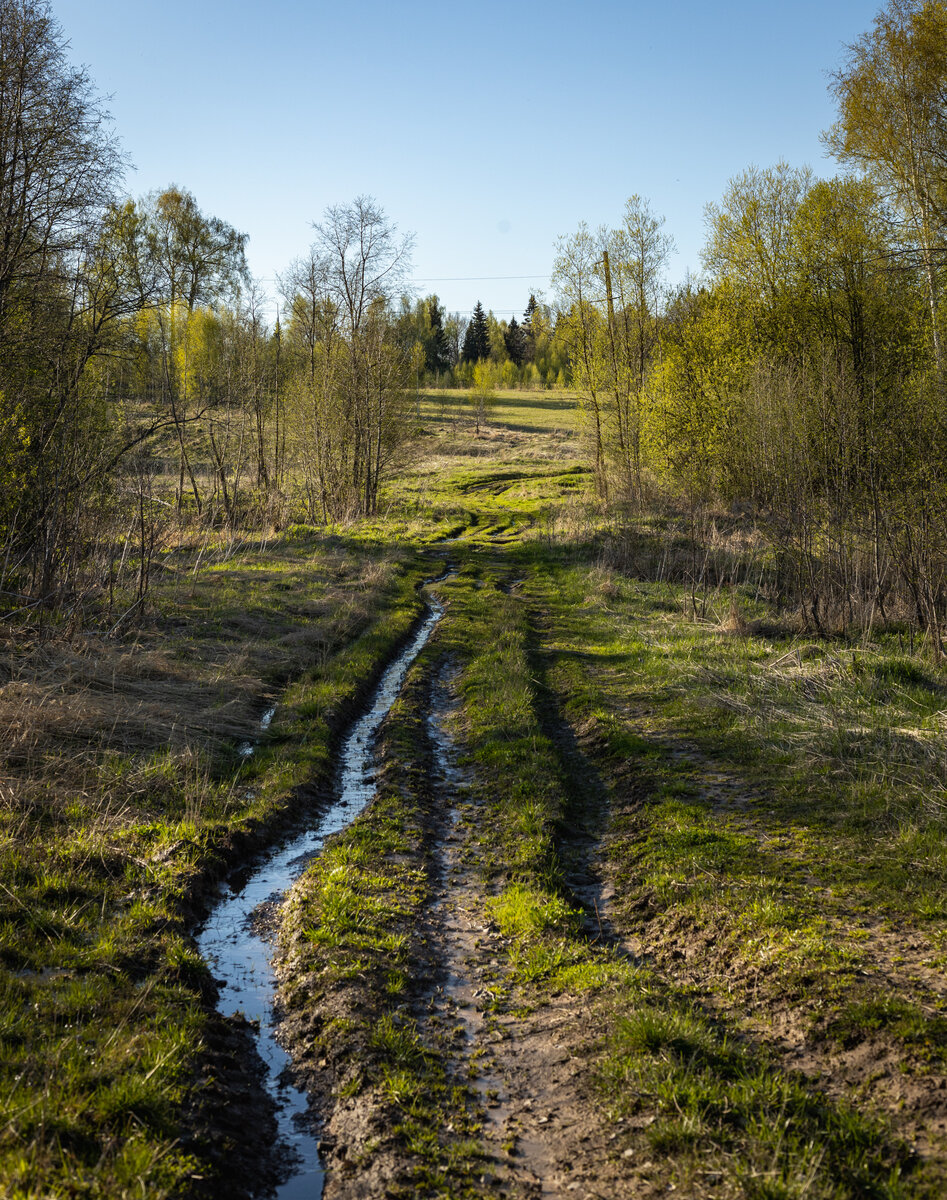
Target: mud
[(792, 1024), (542, 1133), (236, 939)]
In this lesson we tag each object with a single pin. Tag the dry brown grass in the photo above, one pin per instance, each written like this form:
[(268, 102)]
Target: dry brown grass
[(117, 724)]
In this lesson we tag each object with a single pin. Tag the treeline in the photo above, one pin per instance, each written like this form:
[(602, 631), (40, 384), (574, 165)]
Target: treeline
[(142, 388), (450, 350), (802, 377)]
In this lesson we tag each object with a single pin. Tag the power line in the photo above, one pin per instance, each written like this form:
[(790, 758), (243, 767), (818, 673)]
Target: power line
[(438, 278), (474, 278)]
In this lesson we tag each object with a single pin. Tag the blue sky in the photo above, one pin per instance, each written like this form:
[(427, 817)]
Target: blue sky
[(487, 130)]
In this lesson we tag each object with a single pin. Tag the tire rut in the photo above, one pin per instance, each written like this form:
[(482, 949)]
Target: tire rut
[(523, 1067)]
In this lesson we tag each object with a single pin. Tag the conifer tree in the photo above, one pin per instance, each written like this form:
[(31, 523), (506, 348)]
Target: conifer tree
[(438, 351), (515, 341), (477, 337), (529, 334)]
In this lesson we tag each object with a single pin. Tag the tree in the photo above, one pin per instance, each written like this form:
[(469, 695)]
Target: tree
[(437, 351), (59, 162), (62, 285), (197, 259), (580, 329), (477, 337), (892, 126), (353, 373), (200, 258), (515, 341), (750, 233), (484, 391), (529, 339), (638, 252)]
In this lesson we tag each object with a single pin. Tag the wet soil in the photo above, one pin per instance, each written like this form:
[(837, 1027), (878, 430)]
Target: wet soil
[(874, 1070), (525, 1068), (544, 1133), (237, 937), (525, 1063)]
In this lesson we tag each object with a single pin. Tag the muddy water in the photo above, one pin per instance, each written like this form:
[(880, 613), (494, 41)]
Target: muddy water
[(236, 940)]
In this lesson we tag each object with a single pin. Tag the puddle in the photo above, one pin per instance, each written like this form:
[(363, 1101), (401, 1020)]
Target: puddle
[(236, 937), (245, 749)]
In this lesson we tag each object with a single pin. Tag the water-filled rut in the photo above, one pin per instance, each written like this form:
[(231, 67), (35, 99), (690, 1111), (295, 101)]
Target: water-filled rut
[(236, 938)]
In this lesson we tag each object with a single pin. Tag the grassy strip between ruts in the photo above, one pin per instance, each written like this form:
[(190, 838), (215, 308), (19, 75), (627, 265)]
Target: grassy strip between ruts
[(734, 1122), (353, 950), (103, 1001)]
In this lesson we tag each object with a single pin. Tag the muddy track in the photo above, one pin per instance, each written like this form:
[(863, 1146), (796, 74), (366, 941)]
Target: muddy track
[(237, 937), (431, 1068), (586, 806), (516, 1071), (539, 1136)]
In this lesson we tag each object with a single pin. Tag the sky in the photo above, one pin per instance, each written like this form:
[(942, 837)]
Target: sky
[(487, 130)]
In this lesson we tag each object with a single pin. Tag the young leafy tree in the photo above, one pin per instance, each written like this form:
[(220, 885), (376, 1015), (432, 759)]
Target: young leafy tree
[(638, 253), (892, 126), (198, 260), (484, 391), (200, 257), (581, 331), (357, 370), (750, 233)]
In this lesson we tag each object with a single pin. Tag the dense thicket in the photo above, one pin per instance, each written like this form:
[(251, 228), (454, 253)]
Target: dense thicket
[(142, 389), (801, 378)]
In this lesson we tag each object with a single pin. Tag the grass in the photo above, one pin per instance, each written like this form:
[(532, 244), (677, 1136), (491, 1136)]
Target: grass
[(354, 946), (123, 798), (789, 788), (770, 804), (713, 1098)]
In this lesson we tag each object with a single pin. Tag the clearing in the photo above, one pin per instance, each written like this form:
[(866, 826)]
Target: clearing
[(647, 894)]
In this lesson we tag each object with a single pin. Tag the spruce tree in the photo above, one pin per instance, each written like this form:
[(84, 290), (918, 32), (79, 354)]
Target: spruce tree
[(438, 352), (515, 339), (529, 336), (477, 337)]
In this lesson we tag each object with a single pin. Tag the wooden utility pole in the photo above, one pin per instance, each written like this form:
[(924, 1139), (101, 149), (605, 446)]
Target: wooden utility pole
[(611, 341), (608, 293)]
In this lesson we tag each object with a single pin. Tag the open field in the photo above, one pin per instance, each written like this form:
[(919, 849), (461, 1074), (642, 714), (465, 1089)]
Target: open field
[(652, 895)]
